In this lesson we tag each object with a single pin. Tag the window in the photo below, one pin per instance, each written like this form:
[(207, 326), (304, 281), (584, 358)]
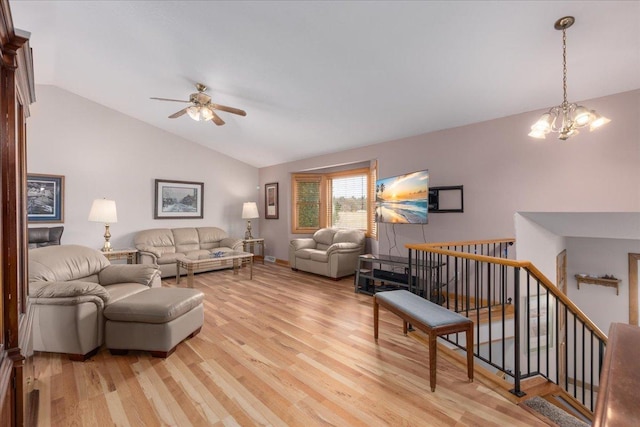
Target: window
[(341, 199), (307, 203)]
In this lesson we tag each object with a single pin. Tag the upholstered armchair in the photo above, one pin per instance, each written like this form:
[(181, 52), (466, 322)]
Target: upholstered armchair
[(69, 287), (44, 236), (331, 252)]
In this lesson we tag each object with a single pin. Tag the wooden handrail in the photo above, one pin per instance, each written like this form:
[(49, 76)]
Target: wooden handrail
[(419, 246), (527, 265), (617, 402)]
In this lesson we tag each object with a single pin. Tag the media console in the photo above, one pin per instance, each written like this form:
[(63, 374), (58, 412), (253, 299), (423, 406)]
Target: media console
[(371, 277)]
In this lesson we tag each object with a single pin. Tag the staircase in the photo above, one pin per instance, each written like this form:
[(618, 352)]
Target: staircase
[(530, 337), (555, 411)]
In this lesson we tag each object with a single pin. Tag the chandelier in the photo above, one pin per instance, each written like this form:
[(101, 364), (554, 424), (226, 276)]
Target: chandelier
[(566, 118)]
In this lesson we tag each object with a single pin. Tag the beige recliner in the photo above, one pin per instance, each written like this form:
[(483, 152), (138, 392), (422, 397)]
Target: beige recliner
[(69, 287), (331, 252)]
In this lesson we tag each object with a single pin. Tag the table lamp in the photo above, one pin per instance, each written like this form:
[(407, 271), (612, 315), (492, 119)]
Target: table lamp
[(249, 211), (103, 210)]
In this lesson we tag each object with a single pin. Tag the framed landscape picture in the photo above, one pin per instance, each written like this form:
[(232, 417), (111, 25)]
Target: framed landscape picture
[(178, 199), (271, 201), (45, 198)]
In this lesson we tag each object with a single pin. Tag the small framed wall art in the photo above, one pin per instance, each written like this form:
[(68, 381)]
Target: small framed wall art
[(178, 199), (45, 198), (271, 204)]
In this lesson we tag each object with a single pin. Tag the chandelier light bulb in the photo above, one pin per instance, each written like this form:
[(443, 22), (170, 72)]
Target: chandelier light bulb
[(598, 120), (537, 134), (582, 116)]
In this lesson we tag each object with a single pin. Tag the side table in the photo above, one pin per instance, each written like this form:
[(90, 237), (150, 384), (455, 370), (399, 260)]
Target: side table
[(131, 255), (250, 244)]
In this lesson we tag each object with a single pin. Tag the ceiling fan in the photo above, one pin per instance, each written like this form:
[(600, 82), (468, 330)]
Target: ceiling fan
[(202, 109)]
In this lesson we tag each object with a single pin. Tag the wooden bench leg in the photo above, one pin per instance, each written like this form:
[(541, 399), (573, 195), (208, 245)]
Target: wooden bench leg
[(432, 360), (375, 318), (470, 352)]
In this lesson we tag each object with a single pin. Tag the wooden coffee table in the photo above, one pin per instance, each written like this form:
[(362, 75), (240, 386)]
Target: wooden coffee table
[(234, 259)]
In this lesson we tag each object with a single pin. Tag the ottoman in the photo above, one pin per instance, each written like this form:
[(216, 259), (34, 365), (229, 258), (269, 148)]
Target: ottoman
[(155, 320)]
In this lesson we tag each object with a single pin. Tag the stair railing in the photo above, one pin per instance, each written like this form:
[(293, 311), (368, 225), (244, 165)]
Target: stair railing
[(529, 328)]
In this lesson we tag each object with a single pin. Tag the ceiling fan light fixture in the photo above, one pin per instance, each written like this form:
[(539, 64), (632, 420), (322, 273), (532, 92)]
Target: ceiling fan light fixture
[(571, 116), (201, 108), (206, 114), (194, 112), (200, 113)]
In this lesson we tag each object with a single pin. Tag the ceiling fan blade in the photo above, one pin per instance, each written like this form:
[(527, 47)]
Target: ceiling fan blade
[(228, 109), (178, 114), (167, 99), (216, 119)]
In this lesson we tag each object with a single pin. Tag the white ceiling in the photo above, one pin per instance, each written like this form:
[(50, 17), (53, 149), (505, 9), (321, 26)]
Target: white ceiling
[(322, 76)]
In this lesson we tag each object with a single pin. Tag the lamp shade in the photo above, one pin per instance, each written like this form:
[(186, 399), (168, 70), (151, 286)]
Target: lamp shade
[(103, 210), (250, 210)]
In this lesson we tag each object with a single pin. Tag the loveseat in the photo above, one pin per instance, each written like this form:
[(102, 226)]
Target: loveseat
[(69, 288), (331, 252), (164, 246)]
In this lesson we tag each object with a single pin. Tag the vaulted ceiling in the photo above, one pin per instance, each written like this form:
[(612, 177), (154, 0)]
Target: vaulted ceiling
[(322, 76)]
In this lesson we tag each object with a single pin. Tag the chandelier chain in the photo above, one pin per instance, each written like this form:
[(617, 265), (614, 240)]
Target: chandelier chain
[(564, 67)]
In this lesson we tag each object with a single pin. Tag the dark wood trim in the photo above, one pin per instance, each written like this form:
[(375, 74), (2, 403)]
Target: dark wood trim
[(17, 91), (633, 288)]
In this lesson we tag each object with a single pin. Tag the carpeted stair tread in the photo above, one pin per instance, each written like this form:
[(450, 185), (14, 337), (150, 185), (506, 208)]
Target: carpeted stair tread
[(553, 413)]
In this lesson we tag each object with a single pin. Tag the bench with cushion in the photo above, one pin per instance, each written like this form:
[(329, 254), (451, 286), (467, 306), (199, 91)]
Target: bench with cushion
[(430, 318)]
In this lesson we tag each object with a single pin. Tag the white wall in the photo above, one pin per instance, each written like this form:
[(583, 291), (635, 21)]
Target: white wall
[(599, 257), (103, 153), (588, 252), (537, 244), (503, 172)]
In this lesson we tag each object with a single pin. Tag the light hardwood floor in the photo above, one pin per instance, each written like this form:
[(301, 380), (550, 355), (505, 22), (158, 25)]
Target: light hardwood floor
[(283, 349)]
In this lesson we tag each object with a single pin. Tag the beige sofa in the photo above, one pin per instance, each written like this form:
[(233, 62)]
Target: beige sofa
[(69, 288), (164, 246), (331, 252)]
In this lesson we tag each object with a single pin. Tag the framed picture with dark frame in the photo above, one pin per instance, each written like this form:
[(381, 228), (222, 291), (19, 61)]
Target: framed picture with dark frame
[(271, 204), (45, 198), (178, 199)]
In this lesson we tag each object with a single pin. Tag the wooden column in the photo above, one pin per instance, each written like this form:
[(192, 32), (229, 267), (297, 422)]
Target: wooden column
[(16, 93)]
